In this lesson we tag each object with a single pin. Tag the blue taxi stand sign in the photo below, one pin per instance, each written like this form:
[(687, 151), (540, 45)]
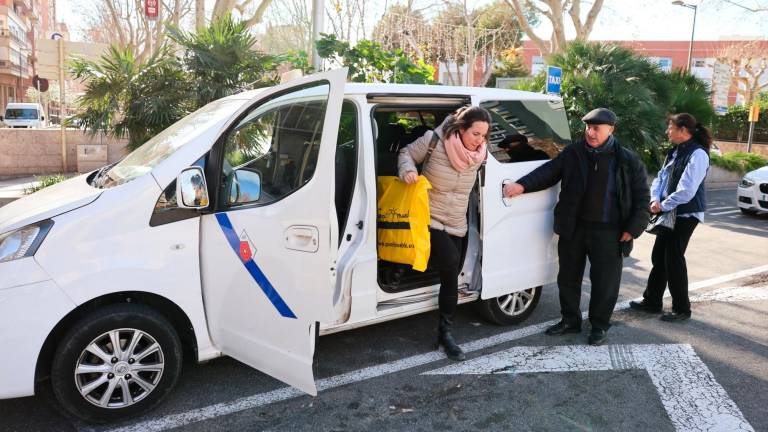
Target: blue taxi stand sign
[(554, 78)]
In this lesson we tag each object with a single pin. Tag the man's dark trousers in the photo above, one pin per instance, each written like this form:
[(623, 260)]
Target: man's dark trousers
[(600, 243), (668, 258)]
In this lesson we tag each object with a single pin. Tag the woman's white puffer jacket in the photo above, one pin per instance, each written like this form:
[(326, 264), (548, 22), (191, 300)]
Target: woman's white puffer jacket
[(449, 196)]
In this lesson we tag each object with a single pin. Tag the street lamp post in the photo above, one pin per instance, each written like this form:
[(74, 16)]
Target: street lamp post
[(693, 27)]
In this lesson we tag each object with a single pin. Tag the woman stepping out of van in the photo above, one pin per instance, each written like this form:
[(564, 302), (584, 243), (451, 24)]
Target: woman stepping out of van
[(451, 167)]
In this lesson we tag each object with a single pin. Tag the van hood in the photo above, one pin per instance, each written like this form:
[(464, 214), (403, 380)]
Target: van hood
[(47, 203)]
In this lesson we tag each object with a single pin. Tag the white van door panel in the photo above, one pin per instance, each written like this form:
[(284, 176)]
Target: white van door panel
[(519, 248), (519, 245), (268, 264)]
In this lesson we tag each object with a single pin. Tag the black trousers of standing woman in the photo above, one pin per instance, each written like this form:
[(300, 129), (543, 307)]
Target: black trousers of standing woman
[(444, 257), (669, 267)]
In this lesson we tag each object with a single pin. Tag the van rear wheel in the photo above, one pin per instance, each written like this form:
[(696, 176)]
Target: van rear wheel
[(116, 362), (510, 309)]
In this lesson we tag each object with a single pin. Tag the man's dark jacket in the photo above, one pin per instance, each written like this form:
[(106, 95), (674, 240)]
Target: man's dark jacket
[(570, 167)]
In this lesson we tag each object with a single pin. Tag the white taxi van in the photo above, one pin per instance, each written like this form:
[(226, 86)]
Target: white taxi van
[(248, 228)]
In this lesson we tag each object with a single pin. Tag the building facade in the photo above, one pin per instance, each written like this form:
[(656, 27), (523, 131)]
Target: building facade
[(21, 22), (668, 55)]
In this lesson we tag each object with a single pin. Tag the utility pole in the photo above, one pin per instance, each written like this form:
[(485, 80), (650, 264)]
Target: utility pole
[(318, 11)]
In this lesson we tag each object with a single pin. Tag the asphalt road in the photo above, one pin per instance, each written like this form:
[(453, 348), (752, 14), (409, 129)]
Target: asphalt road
[(707, 373)]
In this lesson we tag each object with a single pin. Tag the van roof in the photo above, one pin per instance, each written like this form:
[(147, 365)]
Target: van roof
[(22, 105), (425, 90)]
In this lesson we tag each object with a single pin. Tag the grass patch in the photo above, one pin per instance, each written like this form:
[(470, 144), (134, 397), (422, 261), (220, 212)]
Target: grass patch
[(44, 182), (739, 162)]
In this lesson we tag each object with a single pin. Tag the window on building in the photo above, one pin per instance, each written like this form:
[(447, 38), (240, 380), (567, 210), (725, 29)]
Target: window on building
[(664, 63), (537, 65)]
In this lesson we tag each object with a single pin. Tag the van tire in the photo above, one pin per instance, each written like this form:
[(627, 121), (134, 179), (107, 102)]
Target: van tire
[(121, 321), (502, 310)]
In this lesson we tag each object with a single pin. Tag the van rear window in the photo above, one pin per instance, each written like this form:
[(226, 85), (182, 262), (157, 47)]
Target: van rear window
[(527, 130)]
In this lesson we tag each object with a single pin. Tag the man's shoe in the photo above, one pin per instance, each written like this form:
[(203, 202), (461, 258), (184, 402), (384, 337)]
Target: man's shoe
[(644, 307), (675, 316), (597, 336), (562, 328)]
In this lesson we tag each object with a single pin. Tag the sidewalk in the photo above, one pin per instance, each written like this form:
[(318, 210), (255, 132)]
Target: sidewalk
[(13, 189)]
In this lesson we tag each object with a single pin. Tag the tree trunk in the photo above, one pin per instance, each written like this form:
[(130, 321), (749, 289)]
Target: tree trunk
[(199, 15)]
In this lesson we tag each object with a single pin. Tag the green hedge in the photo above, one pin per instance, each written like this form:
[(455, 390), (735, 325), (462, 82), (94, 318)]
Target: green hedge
[(733, 125), (739, 162), (44, 182)]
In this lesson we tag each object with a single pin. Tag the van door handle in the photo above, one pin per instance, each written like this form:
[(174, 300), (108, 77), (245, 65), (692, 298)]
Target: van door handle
[(304, 238)]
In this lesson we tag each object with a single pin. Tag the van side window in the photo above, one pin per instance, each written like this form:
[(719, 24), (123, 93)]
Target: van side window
[(273, 151), (525, 131)]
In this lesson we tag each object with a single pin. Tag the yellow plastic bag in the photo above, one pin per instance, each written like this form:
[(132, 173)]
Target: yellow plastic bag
[(402, 221)]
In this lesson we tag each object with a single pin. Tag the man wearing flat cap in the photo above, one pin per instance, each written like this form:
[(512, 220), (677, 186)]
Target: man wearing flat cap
[(603, 206)]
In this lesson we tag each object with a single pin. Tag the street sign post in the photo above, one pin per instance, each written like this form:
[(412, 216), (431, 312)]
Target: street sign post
[(554, 79), (754, 114)]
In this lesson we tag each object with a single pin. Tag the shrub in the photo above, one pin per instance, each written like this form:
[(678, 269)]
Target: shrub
[(44, 182), (739, 162)]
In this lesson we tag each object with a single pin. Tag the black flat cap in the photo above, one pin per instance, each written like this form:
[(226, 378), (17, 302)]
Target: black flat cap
[(600, 116)]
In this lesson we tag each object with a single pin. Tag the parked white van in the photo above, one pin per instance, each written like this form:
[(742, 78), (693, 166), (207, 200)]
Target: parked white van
[(246, 229), (23, 115)]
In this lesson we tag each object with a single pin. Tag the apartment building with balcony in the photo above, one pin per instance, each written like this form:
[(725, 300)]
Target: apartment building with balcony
[(21, 22)]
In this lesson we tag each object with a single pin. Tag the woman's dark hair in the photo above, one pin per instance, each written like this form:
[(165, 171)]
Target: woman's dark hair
[(699, 132), (464, 117)]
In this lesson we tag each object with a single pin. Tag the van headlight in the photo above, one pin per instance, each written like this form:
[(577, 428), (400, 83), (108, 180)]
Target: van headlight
[(24, 241), (746, 182)]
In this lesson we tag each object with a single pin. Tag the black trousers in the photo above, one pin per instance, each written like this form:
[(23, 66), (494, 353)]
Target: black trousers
[(444, 257), (669, 267), (601, 245)]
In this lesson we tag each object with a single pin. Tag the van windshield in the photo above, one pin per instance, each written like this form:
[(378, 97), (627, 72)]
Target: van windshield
[(21, 114), (164, 144)]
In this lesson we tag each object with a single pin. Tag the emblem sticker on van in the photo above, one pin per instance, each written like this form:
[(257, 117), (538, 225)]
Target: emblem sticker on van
[(243, 249)]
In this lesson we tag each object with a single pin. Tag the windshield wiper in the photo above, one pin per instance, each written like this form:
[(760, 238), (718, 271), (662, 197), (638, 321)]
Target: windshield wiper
[(98, 179)]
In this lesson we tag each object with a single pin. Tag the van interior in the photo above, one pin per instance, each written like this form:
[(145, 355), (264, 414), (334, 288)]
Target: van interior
[(397, 126)]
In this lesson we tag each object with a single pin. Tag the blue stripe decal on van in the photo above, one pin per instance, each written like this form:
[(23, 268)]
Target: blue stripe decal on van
[(253, 268)]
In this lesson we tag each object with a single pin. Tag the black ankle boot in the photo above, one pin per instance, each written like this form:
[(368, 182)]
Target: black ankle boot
[(445, 338)]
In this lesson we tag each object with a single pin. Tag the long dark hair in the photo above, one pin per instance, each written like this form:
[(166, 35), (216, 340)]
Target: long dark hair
[(701, 134), (464, 117)]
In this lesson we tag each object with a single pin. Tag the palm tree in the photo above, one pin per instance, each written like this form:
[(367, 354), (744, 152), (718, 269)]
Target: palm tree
[(641, 95), (221, 59), (127, 98)]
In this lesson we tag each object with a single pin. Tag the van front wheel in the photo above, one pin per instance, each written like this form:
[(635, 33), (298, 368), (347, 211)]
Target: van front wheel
[(513, 308), (116, 362)]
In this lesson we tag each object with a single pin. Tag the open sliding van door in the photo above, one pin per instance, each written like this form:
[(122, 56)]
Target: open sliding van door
[(519, 246), (268, 254)]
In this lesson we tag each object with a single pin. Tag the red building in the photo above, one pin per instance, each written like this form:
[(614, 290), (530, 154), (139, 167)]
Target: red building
[(667, 54)]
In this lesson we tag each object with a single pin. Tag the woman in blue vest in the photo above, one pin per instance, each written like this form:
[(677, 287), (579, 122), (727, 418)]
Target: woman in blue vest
[(679, 185)]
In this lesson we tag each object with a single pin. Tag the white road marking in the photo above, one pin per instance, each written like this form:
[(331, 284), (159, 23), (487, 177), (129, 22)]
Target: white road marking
[(689, 392), (733, 294), (724, 212), (719, 208), (285, 393)]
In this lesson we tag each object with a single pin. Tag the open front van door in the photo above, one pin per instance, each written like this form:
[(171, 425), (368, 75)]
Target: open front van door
[(268, 254), (519, 246)]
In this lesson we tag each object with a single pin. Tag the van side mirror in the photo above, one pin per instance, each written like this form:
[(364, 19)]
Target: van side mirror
[(245, 187), (42, 118), (191, 189), (2, 118)]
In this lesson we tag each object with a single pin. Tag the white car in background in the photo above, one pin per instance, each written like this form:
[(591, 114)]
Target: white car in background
[(752, 193)]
